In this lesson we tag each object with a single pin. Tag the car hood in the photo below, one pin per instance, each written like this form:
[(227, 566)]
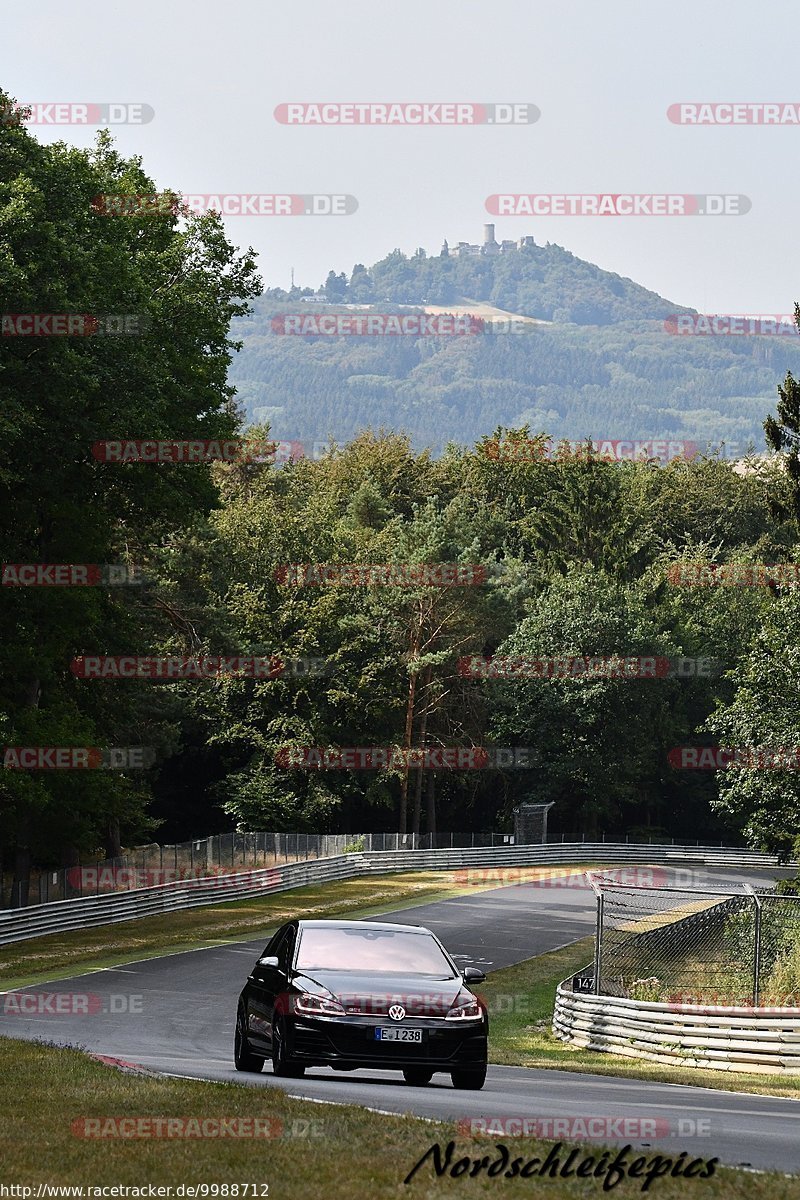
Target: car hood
[(374, 994)]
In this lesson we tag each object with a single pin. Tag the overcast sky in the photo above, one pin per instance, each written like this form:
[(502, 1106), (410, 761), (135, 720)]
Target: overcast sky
[(603, 76)]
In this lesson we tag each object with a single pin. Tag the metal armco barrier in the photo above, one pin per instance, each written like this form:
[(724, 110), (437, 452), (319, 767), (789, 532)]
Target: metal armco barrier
[(88, 912), (18, 924), (756, 1040)]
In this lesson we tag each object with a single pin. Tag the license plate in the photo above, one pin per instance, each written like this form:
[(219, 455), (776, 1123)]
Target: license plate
[(388, 1033)]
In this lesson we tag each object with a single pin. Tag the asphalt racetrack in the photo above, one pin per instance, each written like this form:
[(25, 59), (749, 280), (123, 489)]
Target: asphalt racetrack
[(176, 1014)]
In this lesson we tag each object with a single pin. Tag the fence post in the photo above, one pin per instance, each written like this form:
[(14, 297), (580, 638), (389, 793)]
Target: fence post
[(757, 955), (598, 938), (756, 944)]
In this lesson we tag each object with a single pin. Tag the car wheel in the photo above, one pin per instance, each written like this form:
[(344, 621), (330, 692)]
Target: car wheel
[(281, 1064), (417, 1076), (469, 1078), (243, 1057)]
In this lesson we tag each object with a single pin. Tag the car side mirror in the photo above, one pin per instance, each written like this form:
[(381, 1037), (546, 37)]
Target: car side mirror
[(269, 960), (473, 975)]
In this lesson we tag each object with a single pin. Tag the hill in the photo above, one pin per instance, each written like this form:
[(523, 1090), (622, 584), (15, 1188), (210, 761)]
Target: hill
[(603, 364)]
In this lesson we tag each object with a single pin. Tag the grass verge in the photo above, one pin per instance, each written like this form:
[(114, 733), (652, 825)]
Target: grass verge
[(320, 1151)]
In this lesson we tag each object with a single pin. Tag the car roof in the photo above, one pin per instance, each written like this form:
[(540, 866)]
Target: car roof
[(388, 925)]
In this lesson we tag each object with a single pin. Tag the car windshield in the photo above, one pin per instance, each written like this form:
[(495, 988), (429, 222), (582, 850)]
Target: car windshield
[(385, 950)]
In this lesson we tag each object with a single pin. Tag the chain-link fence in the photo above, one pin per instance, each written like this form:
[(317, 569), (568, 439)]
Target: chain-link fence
[(224, 853), (692, 946)]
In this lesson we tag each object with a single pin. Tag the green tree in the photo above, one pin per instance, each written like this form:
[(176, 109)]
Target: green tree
[(783, 435), (764, 802), (180, 278)]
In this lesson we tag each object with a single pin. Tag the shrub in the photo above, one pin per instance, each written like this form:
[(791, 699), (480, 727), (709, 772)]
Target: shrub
[(355, 847)]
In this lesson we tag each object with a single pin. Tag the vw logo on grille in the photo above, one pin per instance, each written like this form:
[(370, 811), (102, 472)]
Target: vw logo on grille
[(397, 1012)]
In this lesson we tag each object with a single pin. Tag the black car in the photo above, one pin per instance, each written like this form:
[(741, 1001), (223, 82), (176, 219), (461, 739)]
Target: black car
[(348, 994)]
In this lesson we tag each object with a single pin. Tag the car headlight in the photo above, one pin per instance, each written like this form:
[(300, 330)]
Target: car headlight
[(317, 1006), (465, 1008)]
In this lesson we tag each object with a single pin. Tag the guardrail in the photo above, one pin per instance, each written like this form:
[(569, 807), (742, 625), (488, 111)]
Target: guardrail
[(755, 1040), (219, 854), (88, 912), (19, 924)]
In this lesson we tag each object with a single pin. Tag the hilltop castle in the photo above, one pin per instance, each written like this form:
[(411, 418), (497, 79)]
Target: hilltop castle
[(490, 245)]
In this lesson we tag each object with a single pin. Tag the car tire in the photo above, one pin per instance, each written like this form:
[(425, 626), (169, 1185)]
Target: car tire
[(469, 1079), (243, 1057), (282, 1066), (417, 1076)]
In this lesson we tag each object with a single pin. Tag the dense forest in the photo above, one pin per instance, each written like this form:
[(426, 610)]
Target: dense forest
[(565, 556)]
